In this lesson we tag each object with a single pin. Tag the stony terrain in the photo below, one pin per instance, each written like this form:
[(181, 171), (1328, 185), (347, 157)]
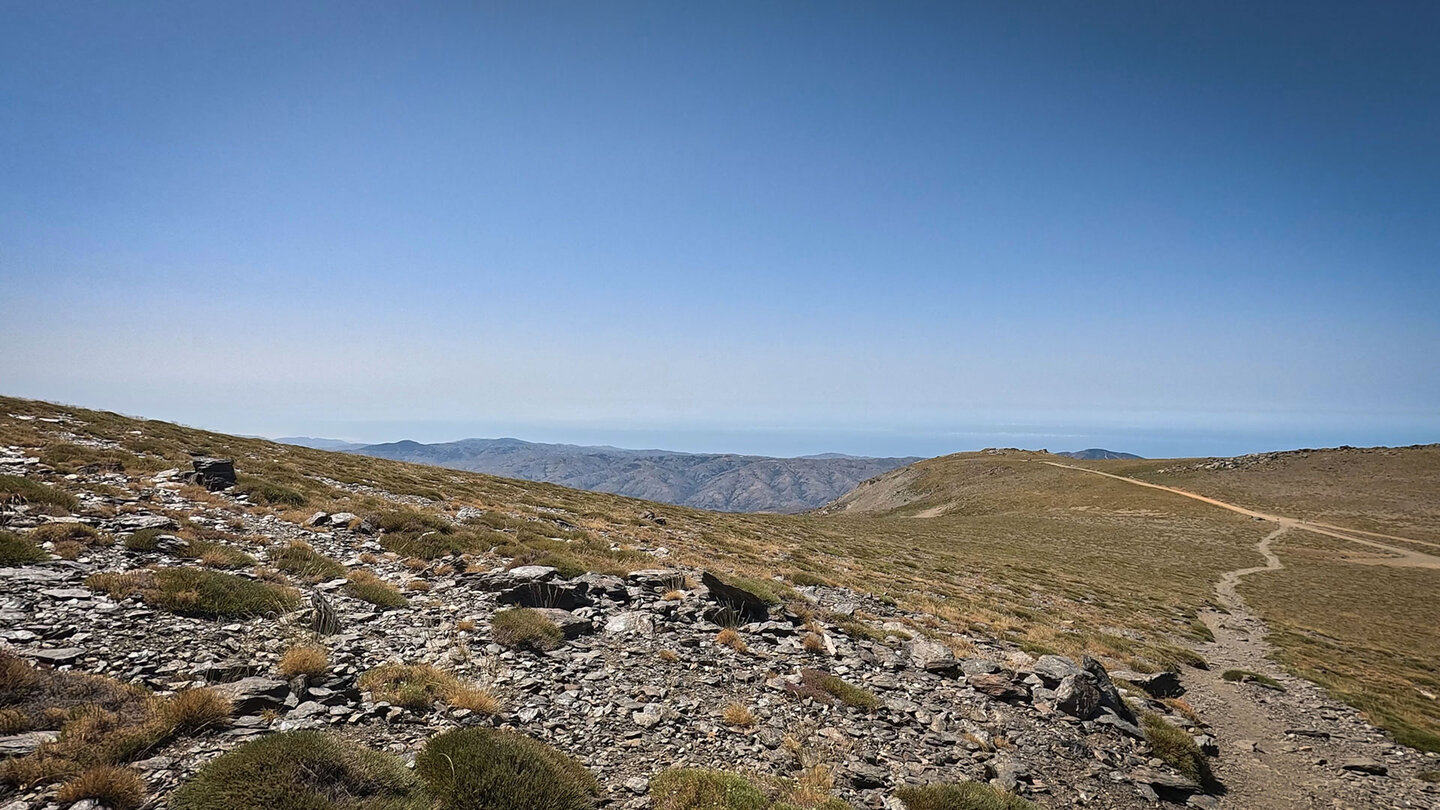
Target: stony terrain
[(724, 482), (652, 660)]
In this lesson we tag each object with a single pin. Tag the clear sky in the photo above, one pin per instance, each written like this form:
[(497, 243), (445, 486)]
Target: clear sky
[(887, 228)]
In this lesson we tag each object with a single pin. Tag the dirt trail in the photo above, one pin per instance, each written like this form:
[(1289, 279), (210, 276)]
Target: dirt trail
[(1403, 557), (1284, 750)]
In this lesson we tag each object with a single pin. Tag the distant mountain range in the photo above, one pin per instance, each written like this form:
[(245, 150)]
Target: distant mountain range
[(1096, 454), (723, 482)]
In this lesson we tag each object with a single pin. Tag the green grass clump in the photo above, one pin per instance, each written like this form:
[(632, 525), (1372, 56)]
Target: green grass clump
[(429, 544), (769, 591), (1177, 748), (1246, 676), (804, 578), (411, 521), (414, 686), (269, 493), (301, 770), (829, 688), (367, 587), (17, 550), (488, 769), (525, 628), (961, 796), (213, 595), (701, 789), (61, 532), (23, 490), (144, 540), (305, 562)]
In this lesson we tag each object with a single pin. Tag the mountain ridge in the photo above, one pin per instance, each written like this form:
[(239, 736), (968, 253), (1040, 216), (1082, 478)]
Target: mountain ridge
[(726, 482)]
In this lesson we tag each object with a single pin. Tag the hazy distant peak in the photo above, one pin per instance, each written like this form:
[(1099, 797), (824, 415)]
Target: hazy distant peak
[(1097, 454)]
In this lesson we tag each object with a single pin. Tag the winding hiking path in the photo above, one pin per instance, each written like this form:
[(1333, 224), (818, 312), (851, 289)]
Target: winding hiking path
[(1403, 557), (1285, 750)]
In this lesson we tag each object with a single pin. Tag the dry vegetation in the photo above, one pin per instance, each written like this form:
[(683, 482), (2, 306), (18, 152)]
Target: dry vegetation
[(1052, 559)]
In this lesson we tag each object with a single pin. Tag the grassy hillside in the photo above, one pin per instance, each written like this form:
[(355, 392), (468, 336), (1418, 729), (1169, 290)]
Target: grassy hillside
[(1369, 633), (1053, 559)]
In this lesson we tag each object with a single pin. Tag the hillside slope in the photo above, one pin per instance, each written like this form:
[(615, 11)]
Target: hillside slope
[(895, 649), (722, 482)]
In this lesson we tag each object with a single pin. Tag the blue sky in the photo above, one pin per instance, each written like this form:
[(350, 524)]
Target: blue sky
[(786, 228)]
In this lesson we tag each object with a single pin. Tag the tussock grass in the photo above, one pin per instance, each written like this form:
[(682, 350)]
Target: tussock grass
[(527, 629), (303, 659), (729, 637), (961, 796), (301, 770), (269, 493), (112, 786), (144, 540), (488, 768), (370, 588), (1246, 676), (738, 714), (419, 686), (17, 550), (61, 532), (198, 592), (1177, 748), (18, 489), (701, 789), (302, 560), (192, 710), (832, 689)]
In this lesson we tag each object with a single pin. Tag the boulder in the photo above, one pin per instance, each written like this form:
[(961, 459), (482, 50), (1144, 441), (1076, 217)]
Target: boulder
[(603, 585), (571, 625), (212, 473), (255, 694), (1053, 669), (737, 603), (532, 573), (978, 666), (1155, 684), (58, 657), (1109, 695), (1364, 765), (931, 656), (635, 622), (1078, 696), (136, 523), (998, 685), (562, 595)]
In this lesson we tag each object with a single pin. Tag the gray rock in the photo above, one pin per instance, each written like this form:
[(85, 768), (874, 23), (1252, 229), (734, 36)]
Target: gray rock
[(58, 657), (632, 622), (744, 606), (931, 656), (212, 473), (136, 523), (660, 579), (998, 685), (650, 716), (536, 594), (1365, 765), (255, 694), (1156, 684), (571, 625), (532, 573), (978, 666), (18, 745), (1078, 696), (1055, 668)]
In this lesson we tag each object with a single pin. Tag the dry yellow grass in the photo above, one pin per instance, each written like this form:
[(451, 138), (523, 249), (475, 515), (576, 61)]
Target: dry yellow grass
[(738, 714), (303, 659), (730, 638), (115, 787)]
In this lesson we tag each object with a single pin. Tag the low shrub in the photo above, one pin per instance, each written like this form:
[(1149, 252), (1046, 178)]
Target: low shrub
[(303, 660), (961, 796), (18, 489), (489, 769), (301, 770), (367, 587), (17, 550), (1176, 747), (832, 689), (305, 562), (700, 789), (525, 628), (217, 555), (114, 787)]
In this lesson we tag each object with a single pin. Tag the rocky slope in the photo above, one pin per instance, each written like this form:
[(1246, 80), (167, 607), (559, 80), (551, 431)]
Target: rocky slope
[(720, 481), (646, 678)]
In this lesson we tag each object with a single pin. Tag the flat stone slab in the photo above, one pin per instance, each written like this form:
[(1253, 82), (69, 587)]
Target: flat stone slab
[(64, 655)]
